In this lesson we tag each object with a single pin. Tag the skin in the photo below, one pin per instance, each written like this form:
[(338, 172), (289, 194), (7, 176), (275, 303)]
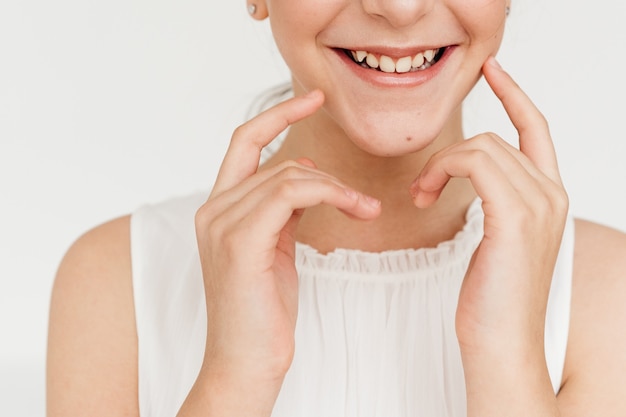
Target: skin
[(347, 163)]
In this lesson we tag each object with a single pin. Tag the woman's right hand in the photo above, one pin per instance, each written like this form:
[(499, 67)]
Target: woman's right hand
[(246, 239)]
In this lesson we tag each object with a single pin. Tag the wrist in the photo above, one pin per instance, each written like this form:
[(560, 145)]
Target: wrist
[(512, 383), (219, 392)]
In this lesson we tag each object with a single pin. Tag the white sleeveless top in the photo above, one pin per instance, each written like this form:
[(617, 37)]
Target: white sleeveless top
[(375, 334)]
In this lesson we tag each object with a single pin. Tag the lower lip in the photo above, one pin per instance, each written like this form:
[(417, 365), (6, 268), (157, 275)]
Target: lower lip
[(394, 79)]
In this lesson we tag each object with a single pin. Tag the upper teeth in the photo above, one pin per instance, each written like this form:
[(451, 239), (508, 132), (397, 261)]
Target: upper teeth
[(387, 64)]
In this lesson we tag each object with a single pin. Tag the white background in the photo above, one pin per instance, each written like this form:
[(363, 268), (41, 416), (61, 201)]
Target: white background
[(108, 105)]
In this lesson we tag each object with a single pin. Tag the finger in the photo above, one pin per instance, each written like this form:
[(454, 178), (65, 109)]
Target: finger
[(489, 180), (269, 214), (534, 134), (267, 208), (513, 163), (299, 169), (523, 175), (244, 153), (513, 151)]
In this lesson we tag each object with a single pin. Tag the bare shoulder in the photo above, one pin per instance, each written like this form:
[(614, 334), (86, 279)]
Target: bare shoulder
[(599, 248), (92, 342), (596, 356)]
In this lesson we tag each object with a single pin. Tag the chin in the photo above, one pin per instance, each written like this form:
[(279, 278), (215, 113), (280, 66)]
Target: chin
[(394, 141), (386, 127), (397, 133)]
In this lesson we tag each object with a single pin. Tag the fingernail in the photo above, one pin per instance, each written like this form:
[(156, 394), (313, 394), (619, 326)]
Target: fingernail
[(414, 188), (313, 93), (416, 194), (494, 63), (353, 195), (420, 199), (374, 202)]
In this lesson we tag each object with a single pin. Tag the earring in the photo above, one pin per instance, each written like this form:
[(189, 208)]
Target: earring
[(251, 9), (507, 11)]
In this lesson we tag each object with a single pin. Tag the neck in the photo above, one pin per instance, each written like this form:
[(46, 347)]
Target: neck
[(401, 225)]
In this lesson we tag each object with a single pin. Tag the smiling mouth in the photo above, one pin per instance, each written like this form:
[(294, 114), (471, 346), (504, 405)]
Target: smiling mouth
[(412, 63)]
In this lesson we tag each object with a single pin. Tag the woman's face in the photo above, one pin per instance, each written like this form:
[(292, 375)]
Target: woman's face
[(393, 71)]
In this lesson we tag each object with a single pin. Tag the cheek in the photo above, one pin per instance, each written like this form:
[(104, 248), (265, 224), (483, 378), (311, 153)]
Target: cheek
[(298, 19), (297, 26), (483, 20), (294, 27)]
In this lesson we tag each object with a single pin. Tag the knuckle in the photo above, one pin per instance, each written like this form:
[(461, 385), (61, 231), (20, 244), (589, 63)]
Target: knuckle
[(328, 187), (439, 155), (479, 157), (484, 139), (539, 121), (239, 132), (204, 215), (287, 188), (290, 170), (489, 137), (208, 223), (490, 141), (244, 135), (552, 206), (559, 200)]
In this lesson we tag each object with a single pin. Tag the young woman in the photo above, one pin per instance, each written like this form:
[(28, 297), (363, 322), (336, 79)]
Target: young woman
[(378, 264)]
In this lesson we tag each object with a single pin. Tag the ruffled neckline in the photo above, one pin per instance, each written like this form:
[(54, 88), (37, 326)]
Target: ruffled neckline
[(446, 254)]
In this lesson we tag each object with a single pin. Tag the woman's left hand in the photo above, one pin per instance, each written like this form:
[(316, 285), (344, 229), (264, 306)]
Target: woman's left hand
[(502, 304)]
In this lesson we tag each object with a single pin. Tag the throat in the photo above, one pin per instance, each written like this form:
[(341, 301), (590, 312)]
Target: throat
[(400, 226)]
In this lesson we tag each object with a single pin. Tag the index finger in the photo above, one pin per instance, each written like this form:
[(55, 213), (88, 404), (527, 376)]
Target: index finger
[(244, 152), (534, 135)]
